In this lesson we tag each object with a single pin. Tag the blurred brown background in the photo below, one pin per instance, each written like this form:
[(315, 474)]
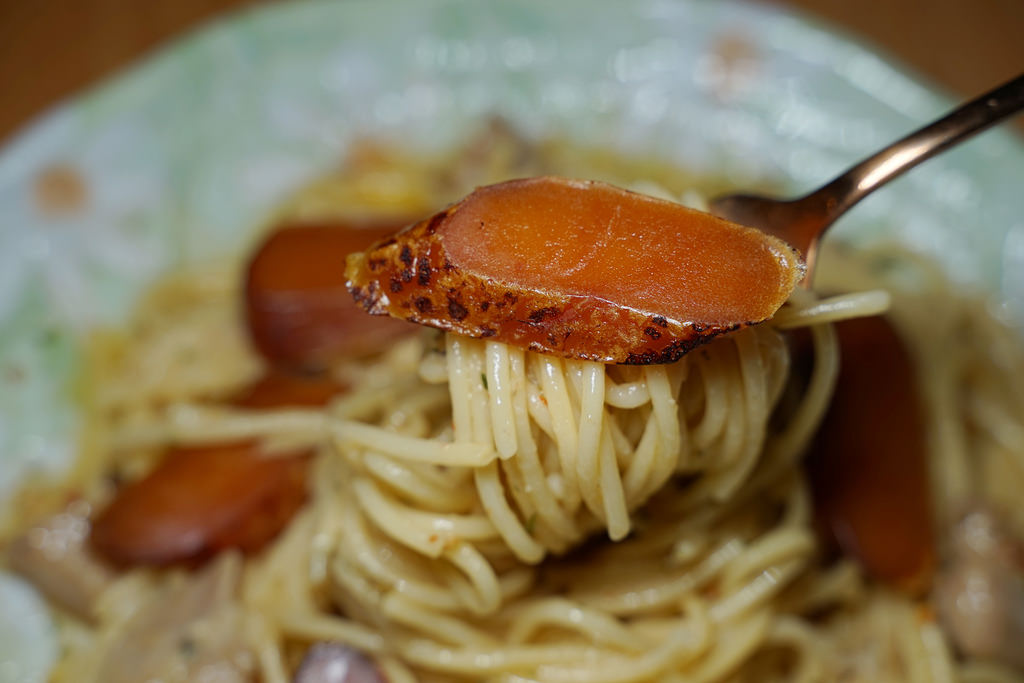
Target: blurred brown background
[(50, 49)]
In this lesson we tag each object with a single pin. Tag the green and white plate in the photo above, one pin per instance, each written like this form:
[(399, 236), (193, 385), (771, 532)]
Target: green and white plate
[(174, 161)]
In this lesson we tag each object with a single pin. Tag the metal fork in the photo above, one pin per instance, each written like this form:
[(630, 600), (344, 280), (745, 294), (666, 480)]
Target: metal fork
[(801, 222)]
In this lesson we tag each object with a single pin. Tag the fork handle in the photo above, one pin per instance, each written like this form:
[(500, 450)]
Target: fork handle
[(969, 119)]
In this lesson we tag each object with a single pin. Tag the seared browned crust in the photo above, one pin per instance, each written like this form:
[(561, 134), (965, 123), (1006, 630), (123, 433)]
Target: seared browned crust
[(410, 276)]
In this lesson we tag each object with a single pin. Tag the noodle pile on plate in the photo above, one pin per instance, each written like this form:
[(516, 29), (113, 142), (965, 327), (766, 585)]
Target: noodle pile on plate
[(481, 512)]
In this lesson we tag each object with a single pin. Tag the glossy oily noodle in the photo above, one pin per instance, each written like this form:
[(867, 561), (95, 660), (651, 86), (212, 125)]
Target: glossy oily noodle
[(579, 269)]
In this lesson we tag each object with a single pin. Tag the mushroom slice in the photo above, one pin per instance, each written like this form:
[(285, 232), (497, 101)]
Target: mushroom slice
[(578, 269)]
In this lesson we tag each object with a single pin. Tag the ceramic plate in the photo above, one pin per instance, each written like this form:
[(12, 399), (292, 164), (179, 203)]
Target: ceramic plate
[(176, 160)]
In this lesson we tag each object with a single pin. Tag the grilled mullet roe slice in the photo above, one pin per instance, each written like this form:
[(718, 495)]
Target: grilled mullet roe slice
[(868, 463), (203, 499), (578, 269), (298, 314)]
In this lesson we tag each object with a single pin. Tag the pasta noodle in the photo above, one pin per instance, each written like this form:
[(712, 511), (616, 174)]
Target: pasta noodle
[(556, 452), (481, 512)]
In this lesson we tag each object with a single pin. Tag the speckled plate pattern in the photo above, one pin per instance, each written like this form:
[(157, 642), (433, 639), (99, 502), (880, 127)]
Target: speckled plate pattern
[(176, 160)]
